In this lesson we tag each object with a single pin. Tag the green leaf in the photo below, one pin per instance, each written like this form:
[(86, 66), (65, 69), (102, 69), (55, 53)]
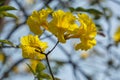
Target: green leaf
[(71, 9), (7, 42), (99, 28), (6, 8), (96, 17), (31, 69), (6, 14), (93, 11), (57, 78), (80, 9), (45, 76), (40, 67)]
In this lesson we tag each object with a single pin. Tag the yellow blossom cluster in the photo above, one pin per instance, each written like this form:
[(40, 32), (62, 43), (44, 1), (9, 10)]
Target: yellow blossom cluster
[(63, 25), (31, 45), (116, 36), (38, 19), (86, 33)]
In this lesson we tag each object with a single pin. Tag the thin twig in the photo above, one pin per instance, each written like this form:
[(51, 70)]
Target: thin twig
[(46, 37), (53, 48), (47, 58), (46, 4), (14, 29), (22, 9), (49, 67), (60, 46)]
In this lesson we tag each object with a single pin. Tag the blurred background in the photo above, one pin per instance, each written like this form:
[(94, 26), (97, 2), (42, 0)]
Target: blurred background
[(100, 63)]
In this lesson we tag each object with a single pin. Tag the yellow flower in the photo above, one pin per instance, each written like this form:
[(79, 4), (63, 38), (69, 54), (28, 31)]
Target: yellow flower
[(86, 33), (2, 57), (30, 44), (116, 36), (38, 20), (62, 24), (85, 45), (33, 64)]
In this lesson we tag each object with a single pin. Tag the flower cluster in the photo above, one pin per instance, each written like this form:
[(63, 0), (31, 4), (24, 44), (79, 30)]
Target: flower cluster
[(38, 20), (30, 45), (63, 25), (86, 33)]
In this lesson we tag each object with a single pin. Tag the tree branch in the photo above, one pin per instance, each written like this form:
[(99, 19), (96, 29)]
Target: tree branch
[(11, 68)]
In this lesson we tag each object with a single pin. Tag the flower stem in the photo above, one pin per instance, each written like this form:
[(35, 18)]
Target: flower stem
[(49, 67), (53, 48)]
